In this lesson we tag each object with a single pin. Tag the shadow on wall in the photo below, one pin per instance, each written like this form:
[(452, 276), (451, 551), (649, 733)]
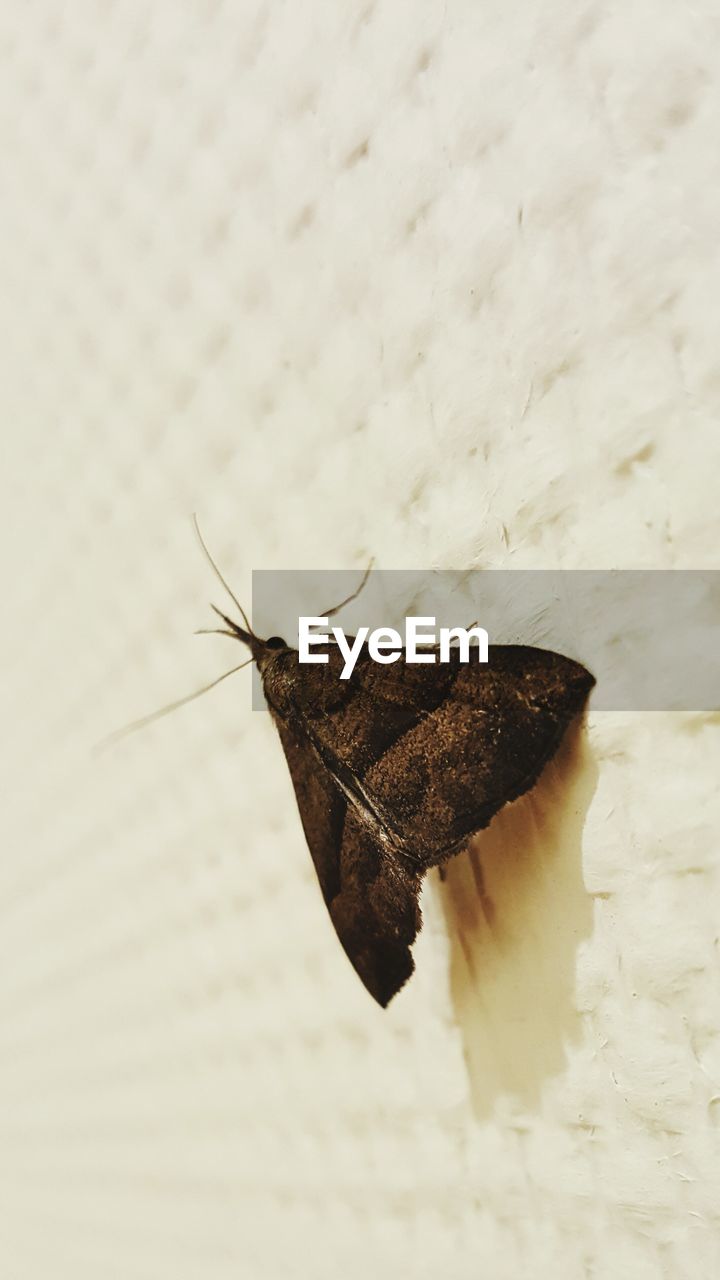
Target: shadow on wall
[(517, 910)]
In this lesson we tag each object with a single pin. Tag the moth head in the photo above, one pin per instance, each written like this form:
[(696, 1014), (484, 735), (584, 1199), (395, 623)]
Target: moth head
[(258, 647)]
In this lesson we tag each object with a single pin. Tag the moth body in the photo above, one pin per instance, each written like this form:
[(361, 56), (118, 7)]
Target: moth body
[(396, 767)]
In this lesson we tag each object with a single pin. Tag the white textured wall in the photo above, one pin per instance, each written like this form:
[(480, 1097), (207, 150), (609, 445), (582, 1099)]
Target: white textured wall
[(434, 281)]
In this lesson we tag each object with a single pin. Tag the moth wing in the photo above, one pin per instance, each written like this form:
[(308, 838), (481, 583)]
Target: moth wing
[(434, 751), (395, 768), (370, 892)]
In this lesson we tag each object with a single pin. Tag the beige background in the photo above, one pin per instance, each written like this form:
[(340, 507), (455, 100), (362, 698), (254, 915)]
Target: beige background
[(438, 282)]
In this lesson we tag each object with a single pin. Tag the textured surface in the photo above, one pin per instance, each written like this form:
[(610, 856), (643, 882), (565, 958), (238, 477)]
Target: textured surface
[(435, 282)]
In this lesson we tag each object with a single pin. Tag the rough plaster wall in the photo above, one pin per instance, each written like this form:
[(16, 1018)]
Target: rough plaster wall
[(438, 282)]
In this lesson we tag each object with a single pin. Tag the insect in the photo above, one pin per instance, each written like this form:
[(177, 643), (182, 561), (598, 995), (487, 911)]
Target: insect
[(395, 768)]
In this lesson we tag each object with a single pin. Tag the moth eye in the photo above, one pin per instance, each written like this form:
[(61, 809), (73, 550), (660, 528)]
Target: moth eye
[(275, 642)]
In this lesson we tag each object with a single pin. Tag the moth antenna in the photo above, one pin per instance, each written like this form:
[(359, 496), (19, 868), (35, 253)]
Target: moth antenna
[(218, 574), (236, 631), (330, 613), (165, 711)]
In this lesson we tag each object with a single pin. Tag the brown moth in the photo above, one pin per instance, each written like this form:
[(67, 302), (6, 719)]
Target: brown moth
[(398, 766)]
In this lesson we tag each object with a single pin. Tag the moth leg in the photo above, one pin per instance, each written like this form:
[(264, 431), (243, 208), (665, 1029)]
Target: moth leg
[(330, 613)]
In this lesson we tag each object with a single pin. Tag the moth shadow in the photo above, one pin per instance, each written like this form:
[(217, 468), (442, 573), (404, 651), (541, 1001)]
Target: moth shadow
[(517, 910)]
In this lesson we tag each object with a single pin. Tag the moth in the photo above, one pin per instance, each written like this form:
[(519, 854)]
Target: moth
[(397, 767)]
